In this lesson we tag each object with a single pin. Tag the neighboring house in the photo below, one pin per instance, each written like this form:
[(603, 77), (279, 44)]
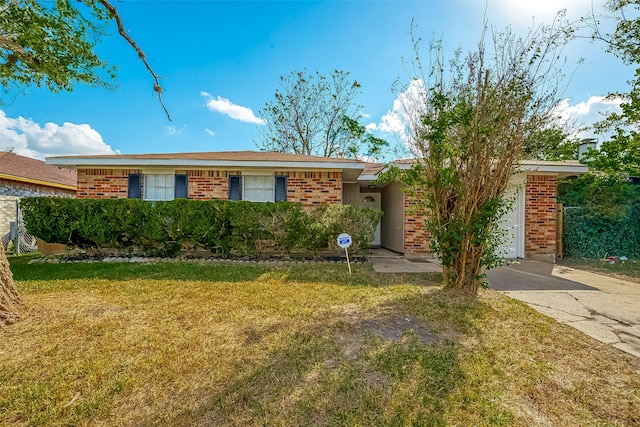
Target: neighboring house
[(310, 180), (25, 177)]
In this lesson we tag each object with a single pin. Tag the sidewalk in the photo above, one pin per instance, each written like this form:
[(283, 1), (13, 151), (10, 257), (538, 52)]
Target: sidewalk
[(386, 261), (602, 307)]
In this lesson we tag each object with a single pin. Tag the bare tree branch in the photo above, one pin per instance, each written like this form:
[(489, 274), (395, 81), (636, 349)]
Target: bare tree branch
[(156, 86)]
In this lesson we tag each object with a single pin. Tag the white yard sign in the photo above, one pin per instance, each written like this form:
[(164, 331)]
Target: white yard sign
[(344, 241)]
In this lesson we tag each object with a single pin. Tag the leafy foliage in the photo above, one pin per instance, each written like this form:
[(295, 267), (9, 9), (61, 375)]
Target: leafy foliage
[(622, 152), (601, 215), (551, 144), (221, 226), (315, 115), (475, 118), (593, 236), (606, 196), (51, 44)]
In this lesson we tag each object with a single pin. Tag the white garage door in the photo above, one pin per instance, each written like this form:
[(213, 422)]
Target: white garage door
[(513, 223)]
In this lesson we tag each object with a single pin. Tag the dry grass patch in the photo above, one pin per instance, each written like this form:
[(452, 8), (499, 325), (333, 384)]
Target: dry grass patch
[(298, 346), (625, 270)]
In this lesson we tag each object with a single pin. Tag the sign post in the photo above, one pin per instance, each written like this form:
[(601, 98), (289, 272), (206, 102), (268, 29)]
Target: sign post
[(344, 241)]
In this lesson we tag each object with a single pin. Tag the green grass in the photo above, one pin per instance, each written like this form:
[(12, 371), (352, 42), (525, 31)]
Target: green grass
[(186, 344), (628, 269)]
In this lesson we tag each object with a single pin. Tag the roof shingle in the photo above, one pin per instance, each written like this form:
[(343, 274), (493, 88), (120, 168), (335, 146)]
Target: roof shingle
[(19, 168)]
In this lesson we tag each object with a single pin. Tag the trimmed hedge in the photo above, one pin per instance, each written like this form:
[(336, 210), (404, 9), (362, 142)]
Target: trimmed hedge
[(588, 235), (224, 227)]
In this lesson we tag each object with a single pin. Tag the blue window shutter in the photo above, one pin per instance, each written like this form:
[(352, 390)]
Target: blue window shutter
[(281, 188), (181, 186), (235, 187), (134, 186)]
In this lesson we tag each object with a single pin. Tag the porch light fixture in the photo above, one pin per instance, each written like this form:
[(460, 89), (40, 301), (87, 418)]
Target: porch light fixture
[(371, 186)]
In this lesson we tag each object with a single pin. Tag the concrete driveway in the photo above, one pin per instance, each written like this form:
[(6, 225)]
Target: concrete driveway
[(604, 308)]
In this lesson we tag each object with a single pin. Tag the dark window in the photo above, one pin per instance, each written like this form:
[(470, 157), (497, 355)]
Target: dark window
[(281, 188), (235, 187), (182, 186), (134, 186)]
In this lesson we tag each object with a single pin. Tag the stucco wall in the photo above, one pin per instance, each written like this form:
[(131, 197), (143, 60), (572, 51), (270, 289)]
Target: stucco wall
[(392, 225)]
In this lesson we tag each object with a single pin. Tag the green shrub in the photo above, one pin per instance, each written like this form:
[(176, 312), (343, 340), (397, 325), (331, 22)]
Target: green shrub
[(601, 216), (221, 226), (591, 236)]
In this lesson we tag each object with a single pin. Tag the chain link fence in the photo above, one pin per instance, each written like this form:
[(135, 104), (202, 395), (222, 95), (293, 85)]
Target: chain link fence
[(15, 238)]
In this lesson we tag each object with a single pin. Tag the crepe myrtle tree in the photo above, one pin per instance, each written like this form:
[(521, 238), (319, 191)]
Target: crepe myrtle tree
[(51, 44), (312, 114), (469, 124)]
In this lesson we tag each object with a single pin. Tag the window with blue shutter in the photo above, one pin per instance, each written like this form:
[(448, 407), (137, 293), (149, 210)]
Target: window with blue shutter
[(134, 186), (181, 186), (235, 187), (281, 189)]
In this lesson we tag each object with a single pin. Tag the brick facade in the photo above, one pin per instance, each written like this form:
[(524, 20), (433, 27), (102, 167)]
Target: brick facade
[(23, 189), (12, 191), (103, 183), (310, 188), (540, 216), (208, 184), (540, 220), (416, 238)]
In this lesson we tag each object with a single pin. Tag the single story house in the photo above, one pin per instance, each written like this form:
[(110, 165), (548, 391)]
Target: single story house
[(310, 180), (26, 177)]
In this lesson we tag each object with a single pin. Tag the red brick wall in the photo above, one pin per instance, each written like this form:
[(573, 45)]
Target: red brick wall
[(307, 187), (103, 183), (208, 184), (416, 237), (540, 216), (313, 188)]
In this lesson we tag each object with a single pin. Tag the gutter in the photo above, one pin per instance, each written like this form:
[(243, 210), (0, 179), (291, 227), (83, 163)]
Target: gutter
[(37, 182)]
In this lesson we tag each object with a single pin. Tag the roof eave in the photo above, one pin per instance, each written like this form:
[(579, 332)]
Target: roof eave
[(37, 182), (76, 163)]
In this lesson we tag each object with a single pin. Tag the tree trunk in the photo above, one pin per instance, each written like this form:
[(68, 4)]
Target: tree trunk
[(11, 304), (463, 275)]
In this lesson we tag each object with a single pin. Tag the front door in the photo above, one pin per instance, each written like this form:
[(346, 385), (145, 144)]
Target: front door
[(372, 200)]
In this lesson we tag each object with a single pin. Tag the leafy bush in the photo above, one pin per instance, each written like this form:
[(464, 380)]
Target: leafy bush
[(221, 226), (588, 236), (602, 216)]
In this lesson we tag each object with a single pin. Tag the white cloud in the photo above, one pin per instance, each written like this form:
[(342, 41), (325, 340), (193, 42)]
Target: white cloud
[(584, 114), (409, 103), (210, 132), (237, 112), (173, 131), (28, 138), (406, 109)]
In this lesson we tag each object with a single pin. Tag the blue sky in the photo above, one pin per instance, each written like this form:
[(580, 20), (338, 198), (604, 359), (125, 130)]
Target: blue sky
[(221, 61)]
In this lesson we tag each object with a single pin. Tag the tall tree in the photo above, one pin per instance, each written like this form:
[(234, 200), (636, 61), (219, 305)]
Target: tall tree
[(476, 114), (621, 152), (51, 44), (315, 115)]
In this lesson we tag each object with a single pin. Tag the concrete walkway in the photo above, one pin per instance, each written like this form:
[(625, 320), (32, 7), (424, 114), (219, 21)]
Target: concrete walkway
[(385, 261), (602, 307)]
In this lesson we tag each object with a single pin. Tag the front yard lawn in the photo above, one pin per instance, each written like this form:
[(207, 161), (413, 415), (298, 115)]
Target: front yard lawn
[(183, 344)]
